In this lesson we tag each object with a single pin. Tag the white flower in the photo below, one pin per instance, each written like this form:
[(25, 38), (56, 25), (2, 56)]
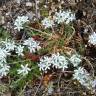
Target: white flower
[(4, 69), (60, 17), (92, 38), (19, 50), (24, 70), (45, 63), (83, 77), (70, 18), (75, 60), (3, 54), (9, 45), (59, 61), (47, 22), (18, 26), (56, 60), (32, 44), (20, 21), (80, 73), (64, 16)]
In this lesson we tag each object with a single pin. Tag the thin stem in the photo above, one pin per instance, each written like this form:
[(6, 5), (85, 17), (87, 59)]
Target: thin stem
[(18, 62), (39, 31), (93, 73)]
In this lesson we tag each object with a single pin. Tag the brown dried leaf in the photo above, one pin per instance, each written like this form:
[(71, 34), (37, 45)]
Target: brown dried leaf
[(32, 57)]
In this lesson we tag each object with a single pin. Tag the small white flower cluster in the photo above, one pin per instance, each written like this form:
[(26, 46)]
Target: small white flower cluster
[(59, 17), (24, 70), (56, 60), (32, 45), (45, 63), (59, 61), (64, 16), (4, 68), (47, 23), (83, 77), (3, 55), (20, 21), (10, 45), (19, 50), (75, 60), (6, 49), (92, 38)]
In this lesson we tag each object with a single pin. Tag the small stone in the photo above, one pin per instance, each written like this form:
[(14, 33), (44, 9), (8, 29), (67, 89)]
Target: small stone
[(18, 1), (45, 6), (8, 13), (29, 4)]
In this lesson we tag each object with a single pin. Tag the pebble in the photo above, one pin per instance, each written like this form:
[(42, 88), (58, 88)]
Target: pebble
[(29, 4)]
